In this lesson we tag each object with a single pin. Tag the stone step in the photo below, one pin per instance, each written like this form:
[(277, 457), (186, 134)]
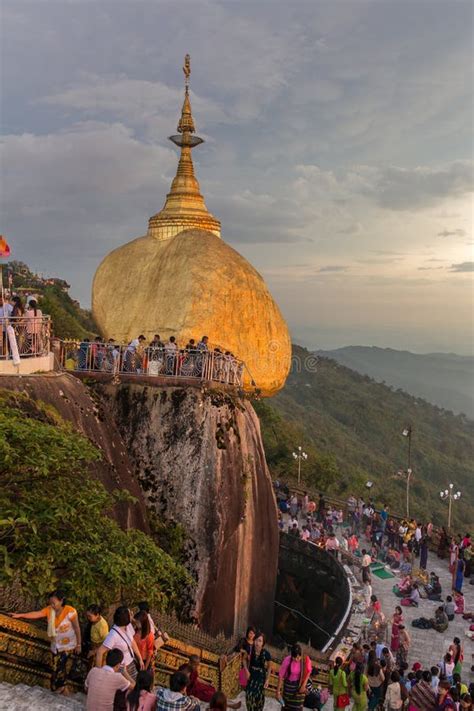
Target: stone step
[(21, 697)]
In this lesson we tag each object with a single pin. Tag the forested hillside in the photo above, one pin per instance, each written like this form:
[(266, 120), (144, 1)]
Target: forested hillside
[(69, 319), (445, 379), (351, 427)]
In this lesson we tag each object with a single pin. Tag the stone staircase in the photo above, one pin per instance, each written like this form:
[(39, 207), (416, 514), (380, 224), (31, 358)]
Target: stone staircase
[(20, 697)]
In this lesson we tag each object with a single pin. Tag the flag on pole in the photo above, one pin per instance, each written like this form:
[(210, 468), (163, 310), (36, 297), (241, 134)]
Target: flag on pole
[(4, 247)]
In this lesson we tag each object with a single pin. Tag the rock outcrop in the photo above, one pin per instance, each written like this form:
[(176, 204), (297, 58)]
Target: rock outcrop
[(194, 457), (200, 462)]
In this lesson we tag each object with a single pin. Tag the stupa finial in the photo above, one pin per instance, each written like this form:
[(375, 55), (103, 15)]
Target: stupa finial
[(184, 207), (187, 70), (186, 122)]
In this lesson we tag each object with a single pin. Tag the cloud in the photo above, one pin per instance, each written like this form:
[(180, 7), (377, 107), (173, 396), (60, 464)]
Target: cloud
[(417, 188), (452, 233), (390, 187), (333, 268), (353, 229), (462, 267), (152, 105), (331, 130), (80, 192)]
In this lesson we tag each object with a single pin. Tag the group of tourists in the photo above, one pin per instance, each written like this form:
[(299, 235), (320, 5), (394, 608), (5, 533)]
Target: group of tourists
[(129, 646), (373, 677), (195, 359), (27, 324), (394, 542), (296, 685)]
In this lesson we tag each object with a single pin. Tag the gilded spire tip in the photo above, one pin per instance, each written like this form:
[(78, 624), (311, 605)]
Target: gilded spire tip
[(187, 71), (186, 122)]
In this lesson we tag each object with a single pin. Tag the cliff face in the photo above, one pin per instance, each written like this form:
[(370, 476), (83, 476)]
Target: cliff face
[(200, 462), (72, 400)]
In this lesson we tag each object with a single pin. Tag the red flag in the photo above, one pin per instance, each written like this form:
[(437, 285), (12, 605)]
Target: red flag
[(4, 247)]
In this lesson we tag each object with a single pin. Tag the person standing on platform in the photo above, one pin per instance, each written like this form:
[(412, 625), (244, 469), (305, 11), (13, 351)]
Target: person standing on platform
[(64, 633), (295, 671), (358, 688), (397, 620), (338, 685), (259, 668)]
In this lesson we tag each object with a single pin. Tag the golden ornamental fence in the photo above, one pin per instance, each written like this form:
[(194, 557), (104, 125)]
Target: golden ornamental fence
[(25, 658)]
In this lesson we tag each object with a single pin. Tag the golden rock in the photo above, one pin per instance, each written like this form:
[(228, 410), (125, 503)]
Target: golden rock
[(182, 279)]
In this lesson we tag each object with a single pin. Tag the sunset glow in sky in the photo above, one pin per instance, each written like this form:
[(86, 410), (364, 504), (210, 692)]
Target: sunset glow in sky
[(338, 151)]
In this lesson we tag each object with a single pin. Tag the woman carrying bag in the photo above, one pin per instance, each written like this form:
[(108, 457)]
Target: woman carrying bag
[(121, 636), (292, 679), (338, 685), (245, 650)]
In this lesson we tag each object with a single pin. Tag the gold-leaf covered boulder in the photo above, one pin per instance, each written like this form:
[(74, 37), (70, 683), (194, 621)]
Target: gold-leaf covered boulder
[(189, 286), (183, 280)]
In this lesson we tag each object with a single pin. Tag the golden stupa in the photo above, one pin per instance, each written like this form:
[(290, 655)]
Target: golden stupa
[(182, 279)]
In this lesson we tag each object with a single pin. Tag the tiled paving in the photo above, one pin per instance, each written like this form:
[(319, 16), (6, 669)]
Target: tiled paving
[(429, 646)]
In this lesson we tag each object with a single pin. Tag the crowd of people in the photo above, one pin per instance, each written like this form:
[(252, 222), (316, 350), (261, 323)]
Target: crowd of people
[(27, 324), (376, 674), (195, 359), (374, 677), (392, 541)]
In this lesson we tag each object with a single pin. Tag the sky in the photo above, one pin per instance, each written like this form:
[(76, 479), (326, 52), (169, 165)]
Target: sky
[(338, 149)]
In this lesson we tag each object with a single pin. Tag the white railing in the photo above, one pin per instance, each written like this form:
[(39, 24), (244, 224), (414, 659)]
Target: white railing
[(206, 365), (24, 337)]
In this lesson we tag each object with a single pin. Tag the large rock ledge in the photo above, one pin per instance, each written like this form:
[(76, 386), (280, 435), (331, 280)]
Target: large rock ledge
[(200, 462)]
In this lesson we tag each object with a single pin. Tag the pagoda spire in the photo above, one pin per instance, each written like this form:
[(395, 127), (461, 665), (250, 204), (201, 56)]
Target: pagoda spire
[(184, 207)]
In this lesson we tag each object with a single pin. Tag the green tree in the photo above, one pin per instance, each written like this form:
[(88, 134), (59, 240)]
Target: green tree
[(56, 525)]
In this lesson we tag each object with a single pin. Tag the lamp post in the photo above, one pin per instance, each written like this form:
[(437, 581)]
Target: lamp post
[(407, 432), (450, 496), (299, 455)]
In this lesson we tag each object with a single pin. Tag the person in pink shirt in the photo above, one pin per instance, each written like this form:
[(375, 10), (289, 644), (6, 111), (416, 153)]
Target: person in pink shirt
[(102, 683), (293, 676), (332, 544), (141, 697)]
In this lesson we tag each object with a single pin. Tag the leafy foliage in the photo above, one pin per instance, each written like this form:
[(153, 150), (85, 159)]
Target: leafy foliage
[(358, 423), (170, 535), (69, 320), (281, 437), (56, 526)]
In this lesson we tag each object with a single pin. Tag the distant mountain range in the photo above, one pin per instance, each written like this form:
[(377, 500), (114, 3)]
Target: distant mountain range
[(444, 379), (351, 429)]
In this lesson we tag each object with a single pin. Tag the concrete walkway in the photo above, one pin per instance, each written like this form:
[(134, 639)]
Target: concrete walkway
[(428, 646)]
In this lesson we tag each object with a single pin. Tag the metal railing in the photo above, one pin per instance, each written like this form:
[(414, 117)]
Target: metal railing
[(99, 357), (24, 337)]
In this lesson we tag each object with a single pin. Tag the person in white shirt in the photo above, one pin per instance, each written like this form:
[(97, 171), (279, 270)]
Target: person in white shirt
[(103, 683), (393, 696), (171, 351), (5, 312), (5, 308), (332, 544), (365, 562), (132, 360), (367, 593), (121, 636)]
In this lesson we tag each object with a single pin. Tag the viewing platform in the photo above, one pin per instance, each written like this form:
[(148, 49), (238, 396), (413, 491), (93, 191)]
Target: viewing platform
[(25, 345), (150, 364), (28, 347)]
